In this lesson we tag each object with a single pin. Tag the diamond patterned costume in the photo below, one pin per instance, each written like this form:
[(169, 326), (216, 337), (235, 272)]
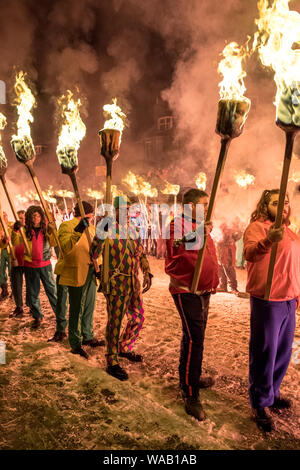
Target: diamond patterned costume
[(126, 256)]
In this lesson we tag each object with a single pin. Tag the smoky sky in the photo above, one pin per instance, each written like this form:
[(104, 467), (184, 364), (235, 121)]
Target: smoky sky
[(138, 50)]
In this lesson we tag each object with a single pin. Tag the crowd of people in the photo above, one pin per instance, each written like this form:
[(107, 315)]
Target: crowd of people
[(72, 287)]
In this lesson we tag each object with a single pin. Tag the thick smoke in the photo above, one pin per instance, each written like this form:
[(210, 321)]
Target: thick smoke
[(137, 50)]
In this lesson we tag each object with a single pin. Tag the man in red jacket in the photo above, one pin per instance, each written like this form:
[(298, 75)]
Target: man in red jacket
[(180, 264)]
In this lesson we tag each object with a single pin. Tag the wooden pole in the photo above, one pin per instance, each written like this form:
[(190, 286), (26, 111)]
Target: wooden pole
[(29, 165), (108, 200), (66, 208), (95, 215), (225, 142), (290, 136), (82, 213), (7, 236), (15, 214)]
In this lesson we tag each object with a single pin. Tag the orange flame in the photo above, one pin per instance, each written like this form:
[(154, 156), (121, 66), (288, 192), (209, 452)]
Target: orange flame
[(201, 181), (278, 33)]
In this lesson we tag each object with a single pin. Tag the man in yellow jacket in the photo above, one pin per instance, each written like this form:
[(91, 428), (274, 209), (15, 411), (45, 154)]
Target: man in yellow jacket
[(76, 271)]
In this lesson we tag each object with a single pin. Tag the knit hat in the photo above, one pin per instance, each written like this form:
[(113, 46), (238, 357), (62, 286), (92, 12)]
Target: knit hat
[(88, 209)]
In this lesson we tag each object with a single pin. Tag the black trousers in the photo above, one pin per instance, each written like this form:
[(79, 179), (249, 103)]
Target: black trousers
[(193, 311)]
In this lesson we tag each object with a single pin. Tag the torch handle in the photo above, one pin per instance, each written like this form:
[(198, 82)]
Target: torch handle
[(108, 200), (95, 214), (290, 137), (6, 233), (66, 208), (82, 214), (13, 209), (220, 167), (36, 183)]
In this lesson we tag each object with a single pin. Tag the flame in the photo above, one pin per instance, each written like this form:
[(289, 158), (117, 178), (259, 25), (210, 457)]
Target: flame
[(232, 86), (201, 181), (115, 191), (131, 181), (48, 195), (244, 179), (295, 178), (72, 132), (278, 34), (295, 224), (147, 190), (117, 117), (24, 102), (137, 185), (94, 194), (171, 189), (64, 193), (22, 199), (3, 161)]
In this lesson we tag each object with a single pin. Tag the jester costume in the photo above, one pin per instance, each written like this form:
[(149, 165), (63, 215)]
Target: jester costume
[(126, 255)]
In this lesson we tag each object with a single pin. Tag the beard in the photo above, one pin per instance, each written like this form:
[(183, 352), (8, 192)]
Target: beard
[(285, 217)]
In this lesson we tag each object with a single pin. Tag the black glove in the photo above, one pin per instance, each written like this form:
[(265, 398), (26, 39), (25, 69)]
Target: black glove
[(83, 224), (17, 226)]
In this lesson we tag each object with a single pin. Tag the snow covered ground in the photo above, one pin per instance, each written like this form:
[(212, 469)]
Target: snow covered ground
[(51, 399)]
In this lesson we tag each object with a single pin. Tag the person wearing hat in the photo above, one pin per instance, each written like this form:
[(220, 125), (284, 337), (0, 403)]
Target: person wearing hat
[(76, 277), (126, 255)]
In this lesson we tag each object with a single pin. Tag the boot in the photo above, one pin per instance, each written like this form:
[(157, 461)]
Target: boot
[(18, 312), (263, 420), (79, 350), (281, 403), (206, 382), (117, 372), (58, 337), (4, 294), (131, 356), (194, 408)]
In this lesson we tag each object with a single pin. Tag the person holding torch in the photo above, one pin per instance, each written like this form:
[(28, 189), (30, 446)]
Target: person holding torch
[(272, 322), (126, 255), (180, 264)]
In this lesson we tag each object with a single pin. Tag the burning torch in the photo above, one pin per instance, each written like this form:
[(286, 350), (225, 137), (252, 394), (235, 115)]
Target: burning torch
[(110, 139), (98, 196), (278, 31), (201, 181), (72, 132), (233, 109), (3, 168), (22, 143), (174, 190)]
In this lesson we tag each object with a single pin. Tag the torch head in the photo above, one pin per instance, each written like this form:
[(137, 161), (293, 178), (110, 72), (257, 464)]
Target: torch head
[(68, 160), (23, 148), (288, 108), (232, 115), (110, 143)]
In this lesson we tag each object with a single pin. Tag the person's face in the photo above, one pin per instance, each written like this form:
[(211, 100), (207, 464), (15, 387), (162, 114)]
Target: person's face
[(22, 219), (273, 205), (36, 219), (204, 202), (90, 217)]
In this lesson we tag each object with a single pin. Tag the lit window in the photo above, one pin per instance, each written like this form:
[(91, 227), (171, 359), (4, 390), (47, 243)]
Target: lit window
[(165, 123)]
